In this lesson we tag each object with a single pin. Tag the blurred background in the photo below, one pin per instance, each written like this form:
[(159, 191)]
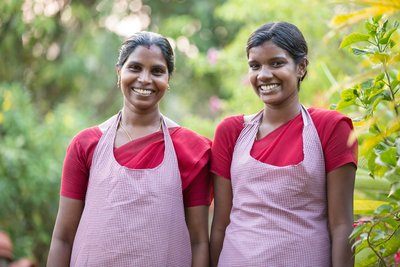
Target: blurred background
[(57, 77)]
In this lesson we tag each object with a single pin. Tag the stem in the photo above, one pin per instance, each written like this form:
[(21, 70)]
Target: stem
[(382, 261), (390, 236), (392, 93)]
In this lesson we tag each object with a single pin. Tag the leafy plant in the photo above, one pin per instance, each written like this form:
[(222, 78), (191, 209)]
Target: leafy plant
[(375, 101), (32, 150)]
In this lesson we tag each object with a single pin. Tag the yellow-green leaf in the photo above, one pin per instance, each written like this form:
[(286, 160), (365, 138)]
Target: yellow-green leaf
[(354, 38)]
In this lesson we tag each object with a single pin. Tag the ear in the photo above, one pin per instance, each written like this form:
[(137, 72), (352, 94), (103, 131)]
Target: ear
[(302, 68)]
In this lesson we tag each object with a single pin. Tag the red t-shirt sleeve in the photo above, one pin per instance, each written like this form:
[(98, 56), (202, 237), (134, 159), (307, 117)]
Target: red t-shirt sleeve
[(334, 130), (223, 145), (193, 154), (77, 162)]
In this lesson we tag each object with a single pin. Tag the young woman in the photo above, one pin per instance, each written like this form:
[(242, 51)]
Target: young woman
[(284, 177), (135, 190)]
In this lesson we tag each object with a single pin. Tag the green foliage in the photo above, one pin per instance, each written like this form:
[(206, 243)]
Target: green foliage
[(32, 150), (376, 100)]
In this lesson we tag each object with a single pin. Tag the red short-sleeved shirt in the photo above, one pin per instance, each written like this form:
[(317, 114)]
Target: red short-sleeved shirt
[(284, 145), (192, 150)]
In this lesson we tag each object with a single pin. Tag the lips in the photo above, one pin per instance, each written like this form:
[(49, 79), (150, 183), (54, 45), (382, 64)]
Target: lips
[(142, 91), (269, 88)]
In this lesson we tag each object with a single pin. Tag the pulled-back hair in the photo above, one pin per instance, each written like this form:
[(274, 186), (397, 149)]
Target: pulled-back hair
[(147, 39), (284, 35)]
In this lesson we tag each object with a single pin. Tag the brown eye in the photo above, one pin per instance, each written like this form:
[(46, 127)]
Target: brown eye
[(134, 67), (254, 66), (277, 64), (159, 71)]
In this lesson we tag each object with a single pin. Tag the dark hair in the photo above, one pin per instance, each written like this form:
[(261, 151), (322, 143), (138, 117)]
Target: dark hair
[(284, 35), (147, 39)]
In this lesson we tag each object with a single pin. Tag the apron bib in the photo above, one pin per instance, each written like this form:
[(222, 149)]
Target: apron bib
[(132, 217), (279, 214)]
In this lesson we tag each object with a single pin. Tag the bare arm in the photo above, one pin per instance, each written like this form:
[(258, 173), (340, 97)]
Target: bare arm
[(222, 210), (68, 217), (340, 212), (197, 223)]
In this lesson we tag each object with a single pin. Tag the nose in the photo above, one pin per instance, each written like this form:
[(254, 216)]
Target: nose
[(265, 73), (144, 77)]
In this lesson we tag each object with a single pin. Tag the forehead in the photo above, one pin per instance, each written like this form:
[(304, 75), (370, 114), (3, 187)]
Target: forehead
[(147, 54), (267, 50)]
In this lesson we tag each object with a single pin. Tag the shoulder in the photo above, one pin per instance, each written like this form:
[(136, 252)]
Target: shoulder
[(331, 125), (190, 147), (86, 139), (229, 128), (183, 135), (326, 121), (227, 132), (326, 116), (88, 134), (234, 122)]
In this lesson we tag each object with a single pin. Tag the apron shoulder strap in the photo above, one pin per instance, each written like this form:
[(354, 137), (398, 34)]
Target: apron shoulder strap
[(105, 125), (170, 123), (253, 118)]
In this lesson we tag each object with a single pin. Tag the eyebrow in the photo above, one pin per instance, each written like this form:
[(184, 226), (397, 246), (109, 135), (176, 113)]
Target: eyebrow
[(132, 63), (273, 58), (128, 63)]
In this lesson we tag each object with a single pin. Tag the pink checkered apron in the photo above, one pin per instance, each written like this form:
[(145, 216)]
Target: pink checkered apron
[(279, 214), (132, 217)]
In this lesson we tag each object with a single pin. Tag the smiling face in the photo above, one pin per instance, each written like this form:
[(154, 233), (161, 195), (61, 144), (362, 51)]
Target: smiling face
[(144, 78), (274, 75)]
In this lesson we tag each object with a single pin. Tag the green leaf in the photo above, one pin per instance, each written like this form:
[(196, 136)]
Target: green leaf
[(394, 83), (392, 43), (387, 36), (394, 190), (376, 19), (393, 244), (389, 157), (360, 52), (383, 209), (379, 77), (393, 175), (359, 229), (366, 258), (354, 38), (371, 28), (348, 94), (375, 102)]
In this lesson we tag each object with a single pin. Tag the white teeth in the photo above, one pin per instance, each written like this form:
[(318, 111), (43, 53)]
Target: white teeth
[(268, 87), (142, 91)]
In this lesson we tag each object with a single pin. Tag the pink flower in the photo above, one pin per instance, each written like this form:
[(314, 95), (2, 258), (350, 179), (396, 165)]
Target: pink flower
[(212, 56), (362, 220), (215, 104), (397, 257)]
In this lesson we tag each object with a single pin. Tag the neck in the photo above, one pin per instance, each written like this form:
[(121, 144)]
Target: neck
[(140, 119), (276, 115)]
